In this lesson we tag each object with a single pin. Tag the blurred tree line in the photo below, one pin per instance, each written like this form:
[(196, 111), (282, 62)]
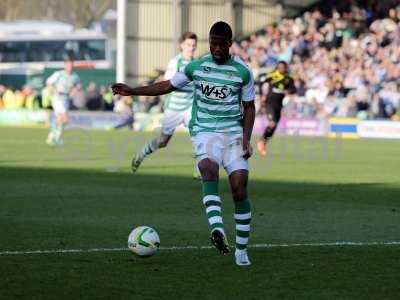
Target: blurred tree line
[(80, 13)]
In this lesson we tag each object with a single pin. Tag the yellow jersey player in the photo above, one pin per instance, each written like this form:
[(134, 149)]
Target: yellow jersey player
[(280, 82)]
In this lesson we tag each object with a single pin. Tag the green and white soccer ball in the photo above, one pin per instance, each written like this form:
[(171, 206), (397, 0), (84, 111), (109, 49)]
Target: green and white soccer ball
[(144, 241)]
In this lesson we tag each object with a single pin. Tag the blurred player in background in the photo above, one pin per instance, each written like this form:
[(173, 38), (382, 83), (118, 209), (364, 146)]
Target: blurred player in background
[(178, 104), (123, 106), (64, 84), (222, 122), (279, 82)]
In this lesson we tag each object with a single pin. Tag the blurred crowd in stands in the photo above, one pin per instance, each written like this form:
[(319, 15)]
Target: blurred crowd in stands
[(345, 61), (89, 98)]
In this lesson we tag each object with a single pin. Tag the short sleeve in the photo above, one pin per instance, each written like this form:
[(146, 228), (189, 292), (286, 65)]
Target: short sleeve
[(248, 90), (189, 69), (53, 78), (171, 69), (179, 80), (268, 78)]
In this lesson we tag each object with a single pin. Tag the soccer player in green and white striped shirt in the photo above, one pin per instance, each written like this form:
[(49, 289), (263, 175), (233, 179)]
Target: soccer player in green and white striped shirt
[(64, 83), (178, 104), (222, 121)]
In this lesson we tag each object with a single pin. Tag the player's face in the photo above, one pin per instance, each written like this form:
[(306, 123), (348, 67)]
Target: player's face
[(282, 68), (188, 47), (69, 66), (219, 48)]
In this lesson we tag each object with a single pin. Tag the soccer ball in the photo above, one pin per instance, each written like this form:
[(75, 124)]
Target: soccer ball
[(143, 241)]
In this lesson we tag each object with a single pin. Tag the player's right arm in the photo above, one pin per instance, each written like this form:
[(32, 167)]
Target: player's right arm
[(179, 80), (156, 89), (171, 69), (266, 78)]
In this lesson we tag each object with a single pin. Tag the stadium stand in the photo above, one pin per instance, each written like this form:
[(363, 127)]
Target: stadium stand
[(345, 60), (345, 64)]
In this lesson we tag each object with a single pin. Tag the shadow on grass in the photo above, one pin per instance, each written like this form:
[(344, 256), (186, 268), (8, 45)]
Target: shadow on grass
[(75, 203), (60, 208), (37, 180)]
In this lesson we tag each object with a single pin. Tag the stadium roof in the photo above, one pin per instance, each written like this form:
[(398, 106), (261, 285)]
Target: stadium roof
[(34, 27), (41, 30)]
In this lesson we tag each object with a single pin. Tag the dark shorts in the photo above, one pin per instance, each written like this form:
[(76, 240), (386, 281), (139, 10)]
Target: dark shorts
[(274, 107)]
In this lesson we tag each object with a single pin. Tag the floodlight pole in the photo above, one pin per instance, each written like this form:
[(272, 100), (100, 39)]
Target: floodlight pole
[(121, 41)]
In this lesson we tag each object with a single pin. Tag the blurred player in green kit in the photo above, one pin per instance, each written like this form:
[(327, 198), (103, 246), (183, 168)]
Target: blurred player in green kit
[(64, 84)]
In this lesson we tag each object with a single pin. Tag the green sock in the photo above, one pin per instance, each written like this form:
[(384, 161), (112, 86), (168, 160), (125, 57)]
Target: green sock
[(212, 202), (242, 218)]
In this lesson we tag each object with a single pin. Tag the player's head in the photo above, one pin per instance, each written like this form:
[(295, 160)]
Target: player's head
[(282, 67), (220, 41), (68, 65), (188, 43)]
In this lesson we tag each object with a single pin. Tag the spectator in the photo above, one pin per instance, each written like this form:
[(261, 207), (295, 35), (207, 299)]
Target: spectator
[(2, 90), (107, 95), (123, 106), (93, 96), (47, 95), (9, 98), (339, 60), (31, 100), (79, 100)]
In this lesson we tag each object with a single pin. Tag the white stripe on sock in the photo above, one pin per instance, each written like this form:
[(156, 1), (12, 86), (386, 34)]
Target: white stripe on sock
[(243, 227), (242, 240), (211, 198), (213, 207), (216, 219), (148, 149), (242, 216)]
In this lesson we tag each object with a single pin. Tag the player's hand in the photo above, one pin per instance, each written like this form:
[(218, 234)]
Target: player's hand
[(121, 89), (247, 149)]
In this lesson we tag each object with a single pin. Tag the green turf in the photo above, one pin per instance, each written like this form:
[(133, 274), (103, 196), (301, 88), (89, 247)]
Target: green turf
[(82, 196)]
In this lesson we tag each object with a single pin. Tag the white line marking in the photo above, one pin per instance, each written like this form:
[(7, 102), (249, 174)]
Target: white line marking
[(177, 248)]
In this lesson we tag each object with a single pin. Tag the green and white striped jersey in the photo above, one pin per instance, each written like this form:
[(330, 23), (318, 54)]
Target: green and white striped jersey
[(63, 83), (219, 91), (181, 99)]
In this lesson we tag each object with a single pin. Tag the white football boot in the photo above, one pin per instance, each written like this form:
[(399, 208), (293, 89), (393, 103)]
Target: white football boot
[(242, 259)]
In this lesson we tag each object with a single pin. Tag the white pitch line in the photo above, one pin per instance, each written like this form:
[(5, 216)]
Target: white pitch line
[(177, 248)]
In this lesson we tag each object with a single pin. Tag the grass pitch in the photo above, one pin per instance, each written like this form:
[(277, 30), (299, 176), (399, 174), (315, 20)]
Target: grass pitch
[(307, 191)]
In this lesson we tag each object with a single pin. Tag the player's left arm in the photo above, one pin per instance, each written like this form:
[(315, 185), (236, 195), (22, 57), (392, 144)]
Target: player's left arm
[(291, 88), (249, 114)]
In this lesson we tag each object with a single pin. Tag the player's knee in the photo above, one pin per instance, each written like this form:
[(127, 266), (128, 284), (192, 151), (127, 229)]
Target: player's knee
[(162, 143), (272, 124), (163, 140), (239, 192), (208, 169)]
